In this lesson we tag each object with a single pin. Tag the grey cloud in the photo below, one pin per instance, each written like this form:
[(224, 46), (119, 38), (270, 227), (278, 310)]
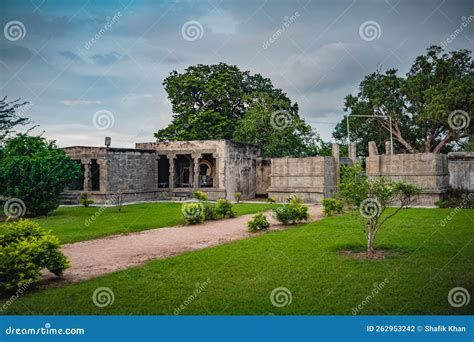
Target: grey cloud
[(70, 55), (15, 54), (108, 58)]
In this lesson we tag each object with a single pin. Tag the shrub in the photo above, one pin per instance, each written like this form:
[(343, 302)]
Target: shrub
[(200, 196), (25, 249), (258, 223), (331, 206), (85, 200), (270, 200), (35, 171), (223, 208), (293, 212), (193, 212), (210, 211), (237, 196), (456, 198)]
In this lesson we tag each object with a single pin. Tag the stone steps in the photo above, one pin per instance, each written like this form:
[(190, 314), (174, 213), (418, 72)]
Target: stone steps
[(69, 199)]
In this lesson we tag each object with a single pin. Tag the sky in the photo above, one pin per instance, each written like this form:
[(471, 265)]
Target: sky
[(92, 69)]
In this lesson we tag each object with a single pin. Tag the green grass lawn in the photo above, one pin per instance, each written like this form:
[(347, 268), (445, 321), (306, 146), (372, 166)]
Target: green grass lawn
[(427, 261), (68, 223)]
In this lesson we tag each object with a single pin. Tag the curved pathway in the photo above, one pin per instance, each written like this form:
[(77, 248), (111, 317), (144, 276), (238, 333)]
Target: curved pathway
[(90, 259)]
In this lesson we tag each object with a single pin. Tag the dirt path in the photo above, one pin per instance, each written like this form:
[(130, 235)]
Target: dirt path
[(90, 259)]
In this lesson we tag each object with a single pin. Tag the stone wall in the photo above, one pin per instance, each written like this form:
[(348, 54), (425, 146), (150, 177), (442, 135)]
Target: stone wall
[(310, 178), (461, 170), (426, 170), (263, 177)]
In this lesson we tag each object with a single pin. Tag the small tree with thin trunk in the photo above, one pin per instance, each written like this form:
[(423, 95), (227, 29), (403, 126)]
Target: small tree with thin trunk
[(372, 197)]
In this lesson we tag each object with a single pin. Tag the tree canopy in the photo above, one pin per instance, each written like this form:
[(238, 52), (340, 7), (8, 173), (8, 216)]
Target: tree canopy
[(430, 107), (9, 118)]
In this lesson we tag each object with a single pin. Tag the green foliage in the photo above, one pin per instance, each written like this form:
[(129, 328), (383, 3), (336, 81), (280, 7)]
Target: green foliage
[(85, 200), (25, 249), (237, 196), (9, 117), (270, 200), (258, 223), (456, 198), (353, 187), (331, 206), (193, 212), (210, 211), (419, 104), (35, 171), (200, 196), (293, 212), (223, 208)]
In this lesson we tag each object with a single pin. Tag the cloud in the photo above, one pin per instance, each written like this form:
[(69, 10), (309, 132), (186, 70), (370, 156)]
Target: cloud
[(108, 58), (70, 55), (15, 54), (72, 103)]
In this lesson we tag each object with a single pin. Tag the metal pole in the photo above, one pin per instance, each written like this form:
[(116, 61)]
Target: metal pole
[(391, 136), (348, 132)]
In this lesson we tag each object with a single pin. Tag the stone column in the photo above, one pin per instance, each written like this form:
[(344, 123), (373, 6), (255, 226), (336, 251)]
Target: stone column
[(171, 158), (373, 149), (196, 158), (388, 148), (335, 155), (157, 172), (103, 170), (87, 174), (215, 178), (352, 152)]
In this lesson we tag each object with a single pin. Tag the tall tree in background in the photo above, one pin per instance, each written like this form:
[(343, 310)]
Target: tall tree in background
[(208, 101), (9, 117), (430, 108)]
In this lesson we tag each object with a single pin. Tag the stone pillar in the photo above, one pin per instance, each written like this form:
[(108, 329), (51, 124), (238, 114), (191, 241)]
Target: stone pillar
[(335, 155), (215, 178), (171, 158), (103, 170), (196, 158), (87, 175), (388, 148), (373, 149), (157, 172), (352, 152)]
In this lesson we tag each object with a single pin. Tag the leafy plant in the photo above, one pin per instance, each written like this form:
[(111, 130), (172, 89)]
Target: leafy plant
[(25, 249), (200, 196), (456, 198), (270, 200), (331, 206), (237, 196), (258, 223), (193, 212), (223, 208), (85, 200), (35, 171), (210, 211), (293, 212)]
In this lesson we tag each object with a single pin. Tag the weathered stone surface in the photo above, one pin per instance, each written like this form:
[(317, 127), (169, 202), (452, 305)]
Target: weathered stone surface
[(461, 170)]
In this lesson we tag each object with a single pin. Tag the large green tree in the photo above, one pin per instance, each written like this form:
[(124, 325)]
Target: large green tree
[(35, 171), (209, 100), (430, 108)]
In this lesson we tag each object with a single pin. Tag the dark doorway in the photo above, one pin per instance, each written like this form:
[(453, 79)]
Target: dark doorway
[(163, 172), (95, 175), (183, 171)]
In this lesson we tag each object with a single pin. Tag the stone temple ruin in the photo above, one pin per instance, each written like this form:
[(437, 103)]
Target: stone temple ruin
[(220, 168)]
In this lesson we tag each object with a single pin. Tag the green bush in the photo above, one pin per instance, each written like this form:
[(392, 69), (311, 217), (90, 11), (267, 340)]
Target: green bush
[(456, 198), (331, 206), (237, 196), (25, 249), (270, 200), (210, 211), (193, 212), (223, 208), (258, 223), (85, 200), (200, 196), (35, 171), (293, 212)]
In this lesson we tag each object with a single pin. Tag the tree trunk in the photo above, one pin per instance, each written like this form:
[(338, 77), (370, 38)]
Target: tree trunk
[(370, 244)]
